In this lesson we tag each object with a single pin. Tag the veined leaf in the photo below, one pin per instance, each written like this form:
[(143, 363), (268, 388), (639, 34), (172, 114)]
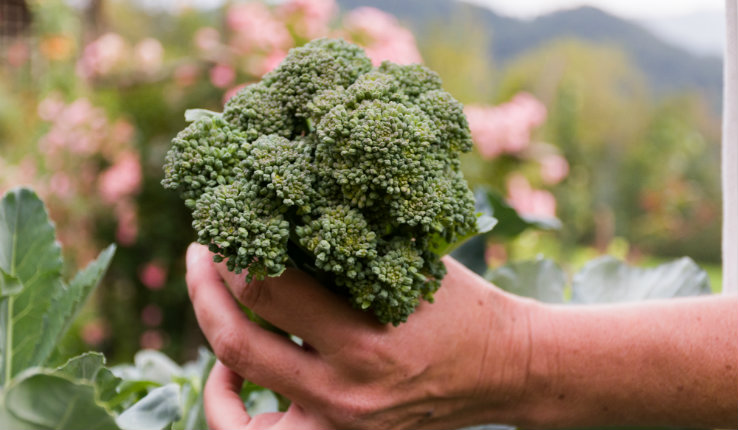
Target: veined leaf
[(29, 253), (155, 411), (511, 222), (45, 400), (608, 280), (90, 367), (540, 279), (69, 300)]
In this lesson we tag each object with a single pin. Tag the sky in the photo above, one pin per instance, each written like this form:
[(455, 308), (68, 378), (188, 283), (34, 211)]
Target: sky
[(639, 9)]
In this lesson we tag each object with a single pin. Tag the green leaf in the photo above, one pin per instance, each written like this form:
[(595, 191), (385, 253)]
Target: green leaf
[(485, 223), (607, 280), (9, 285), (50, 401), (90, 367), (193, 414), (192, 115), (511, 222), (29, 253), (67, 302), (155, 411), (540, 279)]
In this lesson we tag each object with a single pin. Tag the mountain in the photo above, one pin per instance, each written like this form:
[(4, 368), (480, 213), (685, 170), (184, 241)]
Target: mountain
[(668, 68), (699, 32)]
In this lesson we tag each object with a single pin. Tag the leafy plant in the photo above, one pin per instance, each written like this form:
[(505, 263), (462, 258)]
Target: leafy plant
[(603, 280), (36, 308)]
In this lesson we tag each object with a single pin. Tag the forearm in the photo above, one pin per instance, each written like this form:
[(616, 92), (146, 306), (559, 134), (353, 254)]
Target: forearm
[(672, 362)]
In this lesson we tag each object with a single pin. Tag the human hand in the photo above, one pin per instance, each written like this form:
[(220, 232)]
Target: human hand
[(458, 361)]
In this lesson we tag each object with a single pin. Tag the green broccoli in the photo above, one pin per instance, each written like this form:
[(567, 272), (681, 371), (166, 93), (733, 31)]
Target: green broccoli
[(343, 170)]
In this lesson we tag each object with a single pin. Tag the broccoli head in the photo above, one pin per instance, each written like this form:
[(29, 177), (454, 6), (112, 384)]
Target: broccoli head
[(343, 170)]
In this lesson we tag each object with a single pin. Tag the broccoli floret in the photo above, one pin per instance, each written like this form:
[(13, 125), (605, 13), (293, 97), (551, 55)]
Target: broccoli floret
[(349, 172)]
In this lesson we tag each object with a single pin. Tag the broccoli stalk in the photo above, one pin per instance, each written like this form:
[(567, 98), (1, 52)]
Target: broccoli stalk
[(346, 171)]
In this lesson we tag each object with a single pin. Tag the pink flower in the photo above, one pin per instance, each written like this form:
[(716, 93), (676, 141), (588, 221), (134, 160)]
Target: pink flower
[(255, 28), (103, 56), (18, 53), (94, 332), (60, 185), (207, 39), (152, 339), (554, 168), (505, 128), (152, 315), (186, 74), (528, 201), (50, 107), (148, 55), (382, 36), (222, 75), (122, 179), (153, 275), (309, 18), (127, 230)]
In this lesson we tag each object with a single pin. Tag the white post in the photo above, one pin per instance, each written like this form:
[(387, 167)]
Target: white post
[(730, 150)]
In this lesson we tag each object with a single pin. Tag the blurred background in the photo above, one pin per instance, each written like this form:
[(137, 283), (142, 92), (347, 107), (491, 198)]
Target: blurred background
[(603, 115)]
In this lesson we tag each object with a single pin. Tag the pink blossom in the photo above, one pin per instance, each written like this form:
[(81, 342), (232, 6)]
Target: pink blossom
[(148, 55), (554, 168), (94, 332), (186, 74), (310, 18), (50, 107), (222, 75), (152, 339), (152, 315), (127, 230), (382, 36), (103, 55), (18, 53), (207, 39), (122, 179), (255, 28), (528, 201), (60, 185), (505, 128), (153, 275)]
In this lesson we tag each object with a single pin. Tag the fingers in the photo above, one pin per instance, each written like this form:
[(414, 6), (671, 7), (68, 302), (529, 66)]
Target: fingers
[(298, 304), (225, 410), (222, 403), (260, 356)]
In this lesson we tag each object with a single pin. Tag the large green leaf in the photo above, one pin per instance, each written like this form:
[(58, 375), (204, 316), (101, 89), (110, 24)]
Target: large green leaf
[(607, 280), (67, 302), (155, 411), (29, 253), (90, 367), (539, 279), (45, 400), (193, 414)]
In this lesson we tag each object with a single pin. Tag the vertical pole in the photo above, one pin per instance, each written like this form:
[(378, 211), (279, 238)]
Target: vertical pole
[(730, 150)]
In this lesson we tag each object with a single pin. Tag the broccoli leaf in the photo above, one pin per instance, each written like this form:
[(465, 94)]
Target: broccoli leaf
[(30, 259), (609, 280)]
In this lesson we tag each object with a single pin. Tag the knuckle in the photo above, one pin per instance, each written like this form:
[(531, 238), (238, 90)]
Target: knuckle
[(230, 348)]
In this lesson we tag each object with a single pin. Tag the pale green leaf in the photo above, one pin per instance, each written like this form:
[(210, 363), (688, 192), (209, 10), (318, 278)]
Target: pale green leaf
[(30, 253), (154, 412), (50, 401), (68, 301), (539, 279), (608, 280), (9, 285)]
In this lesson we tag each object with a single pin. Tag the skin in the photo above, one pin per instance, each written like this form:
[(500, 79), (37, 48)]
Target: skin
[(476, 355)]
